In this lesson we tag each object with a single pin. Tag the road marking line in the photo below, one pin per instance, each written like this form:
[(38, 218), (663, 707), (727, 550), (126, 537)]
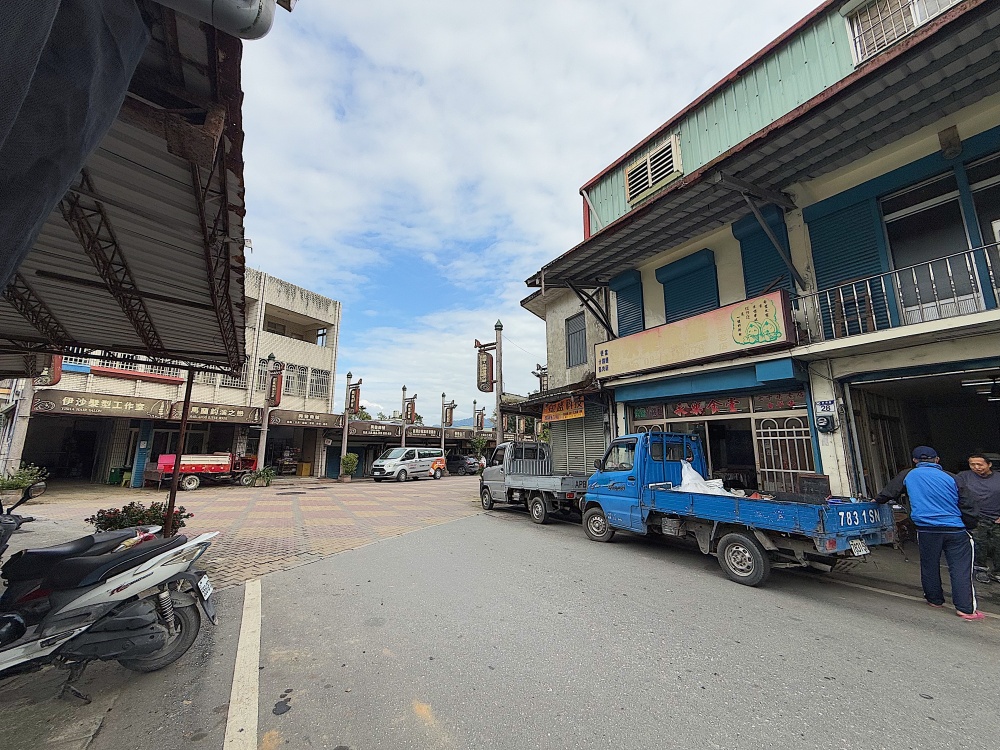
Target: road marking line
[(887, 592), (241, 721)]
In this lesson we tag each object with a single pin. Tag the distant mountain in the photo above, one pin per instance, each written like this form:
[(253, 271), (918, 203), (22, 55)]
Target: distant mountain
[(467, 422)]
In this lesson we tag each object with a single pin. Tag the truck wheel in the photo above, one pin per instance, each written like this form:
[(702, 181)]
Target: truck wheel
[(486, 498), (538, 509), (401, 476), (245, 480), (743, 559), (596, 526), (190, 482)]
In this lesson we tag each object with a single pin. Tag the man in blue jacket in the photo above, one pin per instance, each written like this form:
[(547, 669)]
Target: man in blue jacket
[(937, 508)]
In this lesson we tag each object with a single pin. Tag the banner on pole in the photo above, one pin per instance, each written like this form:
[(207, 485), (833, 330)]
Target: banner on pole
[(484, 374)]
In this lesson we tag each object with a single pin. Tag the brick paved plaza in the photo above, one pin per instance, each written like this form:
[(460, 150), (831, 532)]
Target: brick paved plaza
[(291, 523)]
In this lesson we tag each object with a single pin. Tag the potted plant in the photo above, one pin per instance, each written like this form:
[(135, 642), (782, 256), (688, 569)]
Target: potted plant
[(348, 464), (13, 485), (262, 477), (137, 514)]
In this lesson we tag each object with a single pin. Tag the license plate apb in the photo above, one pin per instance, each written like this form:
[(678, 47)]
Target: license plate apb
[(205, 587), (859, 548)]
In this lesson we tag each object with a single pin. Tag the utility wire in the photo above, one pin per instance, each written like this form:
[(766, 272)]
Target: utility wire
[(507, 339)]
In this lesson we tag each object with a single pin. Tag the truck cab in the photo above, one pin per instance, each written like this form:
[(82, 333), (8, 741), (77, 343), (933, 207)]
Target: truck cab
[(520, 473)]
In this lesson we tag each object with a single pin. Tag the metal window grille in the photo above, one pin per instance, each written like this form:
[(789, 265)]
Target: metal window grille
[(881, 23), (207, 378), (294, 382), (319, 383), (576, 340), (67, 360), (261, 380), (239, 380), (120, 361), (784, 450), (168, 370)]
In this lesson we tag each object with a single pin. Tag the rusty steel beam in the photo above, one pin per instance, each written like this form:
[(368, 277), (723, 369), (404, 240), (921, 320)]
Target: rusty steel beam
[(33, 309), (215, 239), (89, 222)]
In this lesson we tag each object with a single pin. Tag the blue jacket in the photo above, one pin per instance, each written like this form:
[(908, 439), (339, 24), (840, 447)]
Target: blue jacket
[(935, 500)]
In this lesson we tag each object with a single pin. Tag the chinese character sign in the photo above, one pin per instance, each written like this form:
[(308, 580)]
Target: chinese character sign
[(484, 372)]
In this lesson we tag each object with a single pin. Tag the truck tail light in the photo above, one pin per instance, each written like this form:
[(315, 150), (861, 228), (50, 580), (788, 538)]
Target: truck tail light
[(831, 544), (570, 495)]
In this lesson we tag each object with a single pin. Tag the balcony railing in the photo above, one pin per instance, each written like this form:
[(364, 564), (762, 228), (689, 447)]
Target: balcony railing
[(946, 287)]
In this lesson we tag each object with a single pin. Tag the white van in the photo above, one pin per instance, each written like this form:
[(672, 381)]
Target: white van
[(409, 463)]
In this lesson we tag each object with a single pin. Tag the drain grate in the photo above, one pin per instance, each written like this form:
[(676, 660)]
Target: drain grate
[(297, 492)]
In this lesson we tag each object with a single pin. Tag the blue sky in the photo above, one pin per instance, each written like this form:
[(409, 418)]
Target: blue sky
[(418, 161)]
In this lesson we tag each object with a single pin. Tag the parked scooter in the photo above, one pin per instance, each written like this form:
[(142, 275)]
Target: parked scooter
[(137, 603)]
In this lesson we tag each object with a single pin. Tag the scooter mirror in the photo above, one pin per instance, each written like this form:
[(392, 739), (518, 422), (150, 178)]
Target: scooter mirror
[(38, 488), (12, 627)]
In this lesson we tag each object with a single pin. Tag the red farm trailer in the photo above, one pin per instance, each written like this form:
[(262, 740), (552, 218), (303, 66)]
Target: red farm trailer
[(196, 468)]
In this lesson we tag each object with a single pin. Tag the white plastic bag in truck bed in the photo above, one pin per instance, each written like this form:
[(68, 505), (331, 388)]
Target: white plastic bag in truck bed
[(692, 481)]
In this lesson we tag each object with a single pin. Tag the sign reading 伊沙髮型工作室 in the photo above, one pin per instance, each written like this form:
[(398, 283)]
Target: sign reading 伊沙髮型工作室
[(760, 323), (99, 404)]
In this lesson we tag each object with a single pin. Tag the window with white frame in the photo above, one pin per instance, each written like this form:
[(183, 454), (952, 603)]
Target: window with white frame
[(236, 381), (294, 381), (319, 383), (261, 380), (576, 340), (656, 168), (207, 378), (68, 360), (879, 24), (321, 336)]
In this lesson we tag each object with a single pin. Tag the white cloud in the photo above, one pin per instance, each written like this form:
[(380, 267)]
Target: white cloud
[(454, 136)]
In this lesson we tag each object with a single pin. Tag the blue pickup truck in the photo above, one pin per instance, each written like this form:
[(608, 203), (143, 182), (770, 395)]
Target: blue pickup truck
[(633, 490)]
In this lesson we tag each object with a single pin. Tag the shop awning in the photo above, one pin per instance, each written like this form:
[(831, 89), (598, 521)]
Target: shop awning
[(950, 63), (143, 254)]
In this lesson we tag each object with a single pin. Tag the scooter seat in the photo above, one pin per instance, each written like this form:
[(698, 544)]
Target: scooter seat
[(78, 572), (30, 564)]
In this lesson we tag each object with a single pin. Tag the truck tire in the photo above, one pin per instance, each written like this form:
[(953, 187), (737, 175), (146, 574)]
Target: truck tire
[(538, 509), (401, 476), (245, 480), (486, 498), (596, 526), (190, 482), (743, 559)]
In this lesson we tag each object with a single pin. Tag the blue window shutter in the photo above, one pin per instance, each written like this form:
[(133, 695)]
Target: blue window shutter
[(846, 244), (690, 285), (763, 267), (628, 302)]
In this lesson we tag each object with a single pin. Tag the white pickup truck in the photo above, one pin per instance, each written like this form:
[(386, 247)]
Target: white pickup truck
[(521, 474)]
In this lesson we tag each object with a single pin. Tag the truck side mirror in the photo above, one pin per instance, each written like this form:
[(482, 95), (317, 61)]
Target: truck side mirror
[(597, 464)]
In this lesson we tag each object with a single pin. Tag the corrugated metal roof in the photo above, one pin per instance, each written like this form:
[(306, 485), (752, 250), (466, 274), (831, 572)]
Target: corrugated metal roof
[(142, 189), (949, 64)]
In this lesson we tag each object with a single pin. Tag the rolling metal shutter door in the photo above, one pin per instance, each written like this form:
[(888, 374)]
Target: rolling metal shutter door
[(845, 244), (593, 428), (577, 443), (628, 302), (557, 442), (762, 265), (690, 285)]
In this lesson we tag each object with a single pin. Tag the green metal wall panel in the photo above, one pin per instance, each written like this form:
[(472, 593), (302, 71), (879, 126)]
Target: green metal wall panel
[(810, 62)]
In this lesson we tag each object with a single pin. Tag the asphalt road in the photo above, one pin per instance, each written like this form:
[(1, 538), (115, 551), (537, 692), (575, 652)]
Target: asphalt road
[(493, 632)]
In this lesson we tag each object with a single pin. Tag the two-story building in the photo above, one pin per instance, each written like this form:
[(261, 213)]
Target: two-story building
[(801, 266), (109, 416)]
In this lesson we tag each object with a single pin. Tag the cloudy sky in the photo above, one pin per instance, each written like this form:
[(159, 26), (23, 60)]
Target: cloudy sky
[(418, 160)]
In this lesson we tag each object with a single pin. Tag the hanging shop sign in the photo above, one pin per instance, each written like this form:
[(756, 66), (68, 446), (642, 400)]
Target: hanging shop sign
[(647, 412), (780, 401), (484, 372), (274, 384), (568, 408), (99, 404), (354, 398), (305, 418), (423, 432), (366, 428), (456, 434), (758, 323), (708, 407), (199, 412)]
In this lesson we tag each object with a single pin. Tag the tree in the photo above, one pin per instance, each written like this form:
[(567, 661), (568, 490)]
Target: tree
[(417, 419), (382, 416), (478, 445), (363, 414)]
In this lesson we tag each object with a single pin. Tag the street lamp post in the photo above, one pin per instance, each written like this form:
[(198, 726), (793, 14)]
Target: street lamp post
[(347, 419), (402, 416), (262, 444), (499, 425)]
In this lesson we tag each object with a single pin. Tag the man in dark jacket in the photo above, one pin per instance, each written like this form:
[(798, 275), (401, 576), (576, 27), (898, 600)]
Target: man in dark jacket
[(982, 485), (937, 508)]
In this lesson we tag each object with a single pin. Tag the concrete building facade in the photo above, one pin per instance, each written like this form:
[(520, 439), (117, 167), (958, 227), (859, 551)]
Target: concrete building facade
[(801, 267)]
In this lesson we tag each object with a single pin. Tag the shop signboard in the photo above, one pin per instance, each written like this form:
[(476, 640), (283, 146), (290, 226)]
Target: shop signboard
[(484, 372), (305, 418), (99, 404), (201, 412), (457, 434), (640, 413), (758, 323), (709, 407), (780, 401), (423, 432), (568, 408), (375, 429)]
